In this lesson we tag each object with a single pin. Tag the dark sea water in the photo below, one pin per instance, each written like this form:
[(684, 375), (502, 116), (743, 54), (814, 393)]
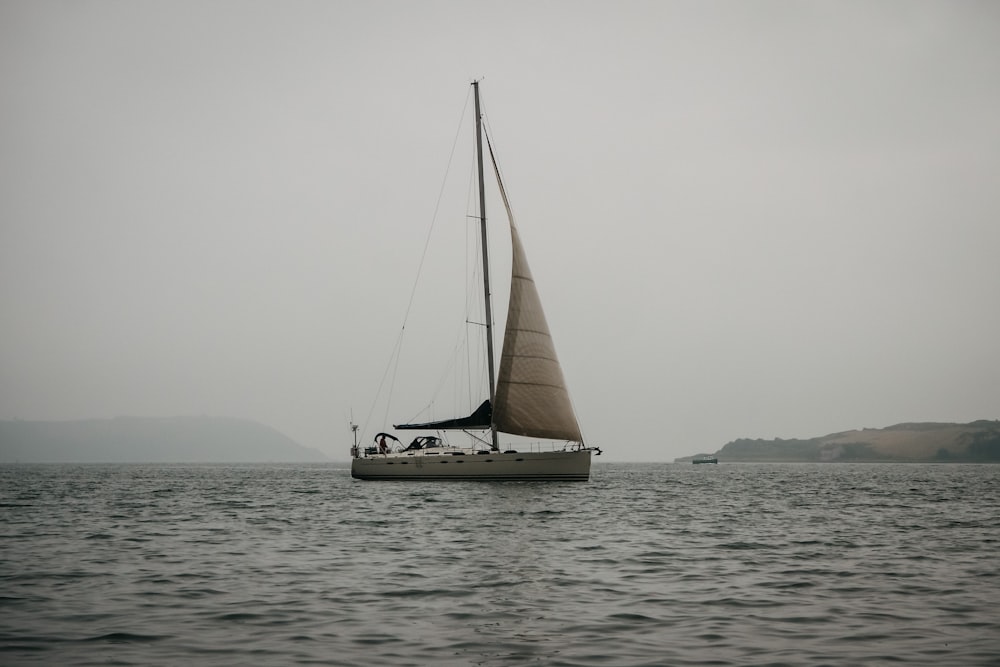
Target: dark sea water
[(658, 564)]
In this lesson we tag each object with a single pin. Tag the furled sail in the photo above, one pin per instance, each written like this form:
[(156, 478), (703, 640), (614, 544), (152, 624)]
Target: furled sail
[(531, 395), (480, 419)]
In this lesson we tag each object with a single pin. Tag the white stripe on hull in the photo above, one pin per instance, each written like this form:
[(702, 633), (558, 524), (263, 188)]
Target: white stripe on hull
[(568, 465)]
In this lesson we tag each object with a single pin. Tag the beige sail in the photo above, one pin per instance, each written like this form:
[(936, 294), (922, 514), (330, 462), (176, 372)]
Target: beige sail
[(531, 394)]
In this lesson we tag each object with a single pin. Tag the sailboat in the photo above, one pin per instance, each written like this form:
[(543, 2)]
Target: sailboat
[(528, 397)]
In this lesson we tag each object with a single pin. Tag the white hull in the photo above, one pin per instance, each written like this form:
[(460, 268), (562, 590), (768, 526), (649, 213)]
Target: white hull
[(570, 465)]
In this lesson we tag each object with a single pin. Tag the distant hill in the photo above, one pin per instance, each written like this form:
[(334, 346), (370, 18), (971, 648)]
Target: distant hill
[(149, 440), (975, 442)]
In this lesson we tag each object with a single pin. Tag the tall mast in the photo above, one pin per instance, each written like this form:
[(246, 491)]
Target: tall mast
[(486, 265)]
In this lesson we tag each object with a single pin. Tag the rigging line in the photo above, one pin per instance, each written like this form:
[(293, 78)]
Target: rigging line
[(452, 368), (479, 239), (395, 371), (393, 363), (444, 377), (500, 181), (474, 306), (488, 131), (469, 280), (437, 206)]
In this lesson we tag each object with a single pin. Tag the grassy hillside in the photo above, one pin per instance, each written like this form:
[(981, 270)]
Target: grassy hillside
[(977, 441)]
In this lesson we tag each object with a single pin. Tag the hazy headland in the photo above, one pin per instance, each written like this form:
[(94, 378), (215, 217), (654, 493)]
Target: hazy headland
[(149, 440), (975, 442)]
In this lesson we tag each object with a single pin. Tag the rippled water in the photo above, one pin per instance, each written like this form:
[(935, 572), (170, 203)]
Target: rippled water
[(660, 564)]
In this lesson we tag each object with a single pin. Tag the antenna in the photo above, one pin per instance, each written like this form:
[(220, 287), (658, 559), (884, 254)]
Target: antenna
[(354, 428)]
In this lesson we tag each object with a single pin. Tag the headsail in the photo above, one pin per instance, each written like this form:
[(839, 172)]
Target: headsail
[(531, 395)]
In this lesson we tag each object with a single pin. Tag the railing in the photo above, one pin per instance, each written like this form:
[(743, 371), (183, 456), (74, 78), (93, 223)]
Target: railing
[(535, 447)]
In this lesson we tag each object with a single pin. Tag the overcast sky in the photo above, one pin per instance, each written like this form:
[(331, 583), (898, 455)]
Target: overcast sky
[(745, 219)]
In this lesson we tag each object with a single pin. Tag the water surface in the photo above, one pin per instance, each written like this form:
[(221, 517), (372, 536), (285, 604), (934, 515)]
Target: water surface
[(656, 564)]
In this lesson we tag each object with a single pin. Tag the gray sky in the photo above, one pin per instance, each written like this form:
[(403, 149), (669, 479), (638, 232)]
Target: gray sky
[(755, 219)]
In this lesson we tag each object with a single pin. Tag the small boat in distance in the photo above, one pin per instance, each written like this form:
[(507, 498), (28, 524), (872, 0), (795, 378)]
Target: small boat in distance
[(704, 459), (527, 398)]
